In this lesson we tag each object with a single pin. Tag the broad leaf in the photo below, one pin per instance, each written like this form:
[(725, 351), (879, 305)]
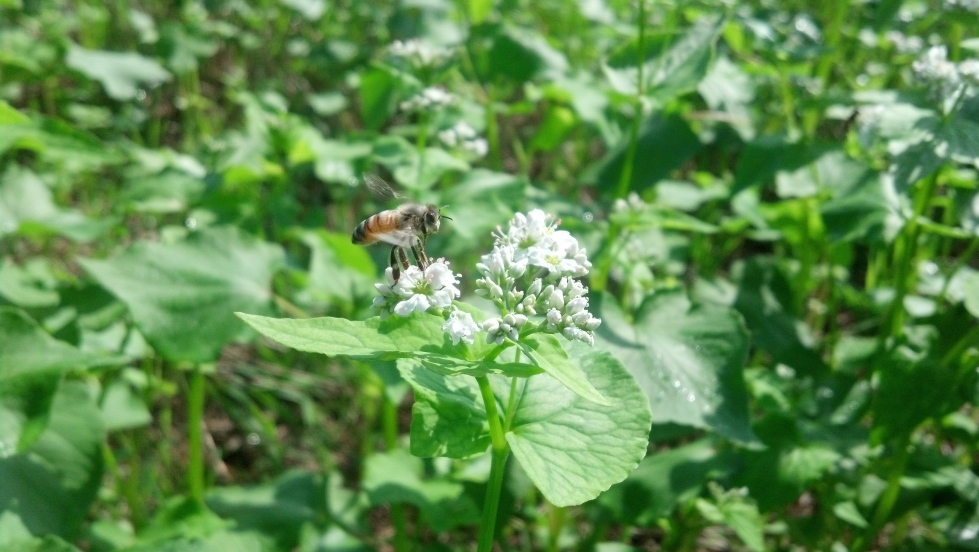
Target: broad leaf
[(665, 142), (677, 68), (120, 73), (29, 286), (338, 270), (687, 358), (183, 296), (27, 207), (572, 448), (448, 417), (31, 365), (52, 484), (418, 336), (664, 481), (278, 508), (396, 477)]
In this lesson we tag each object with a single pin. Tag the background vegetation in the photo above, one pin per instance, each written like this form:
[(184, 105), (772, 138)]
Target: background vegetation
[(780, 201)]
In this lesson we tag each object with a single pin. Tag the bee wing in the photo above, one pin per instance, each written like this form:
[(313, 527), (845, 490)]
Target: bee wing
[(402, 238), (380, 188)]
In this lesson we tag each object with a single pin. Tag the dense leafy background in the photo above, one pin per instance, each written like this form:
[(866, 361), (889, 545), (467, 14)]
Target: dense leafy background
[(781, 207)]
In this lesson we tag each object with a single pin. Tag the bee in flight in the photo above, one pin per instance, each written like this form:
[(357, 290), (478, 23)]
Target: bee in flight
[(406, 227)]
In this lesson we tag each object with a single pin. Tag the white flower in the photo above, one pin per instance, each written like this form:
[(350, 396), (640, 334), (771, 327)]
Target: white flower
[(429, 98), (969, 70), (417, 52), (461, 327), (418, 290), (463, 136)]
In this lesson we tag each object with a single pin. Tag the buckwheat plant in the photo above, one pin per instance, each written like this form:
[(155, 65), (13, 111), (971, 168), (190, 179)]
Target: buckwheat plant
[(524, 380)]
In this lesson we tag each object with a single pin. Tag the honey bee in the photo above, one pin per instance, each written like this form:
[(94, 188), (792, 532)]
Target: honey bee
[(406, 227)]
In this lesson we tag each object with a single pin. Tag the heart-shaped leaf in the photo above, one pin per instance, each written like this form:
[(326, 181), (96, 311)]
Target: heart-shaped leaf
[(183, 296), (687, 358), (572, 448)]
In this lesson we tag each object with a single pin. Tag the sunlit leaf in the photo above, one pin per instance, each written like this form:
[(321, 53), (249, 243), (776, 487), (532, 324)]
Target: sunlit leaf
[(31, 365), (572, 448), (183, 296), (122, 74), (52, 484), (687, 358)]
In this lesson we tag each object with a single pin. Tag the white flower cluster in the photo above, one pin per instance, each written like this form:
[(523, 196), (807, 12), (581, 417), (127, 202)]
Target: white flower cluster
[(431, 289), (946, 76), (418, 53), (531, 271), (904, 44), (429, 98), (418, 290), (464, 136), (631, 204)]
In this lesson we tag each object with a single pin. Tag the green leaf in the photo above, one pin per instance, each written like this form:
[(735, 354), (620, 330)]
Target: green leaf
[(448, 417), (764, 300), (31, 365), (547, 353), (183, 296), (520, 54), (122, 407), (664, 481), (848, 512), (673, 142), (10, 116), (338, 269), (687, 358), (278, 508), (27, 207), (558, 122), (778, 475), (728, 89), (182, 518), (911, 390), (378, 92), (572, 448), (167, 192), (478, 202), (120, 73), (739, 515), (396, 477), (52, 484), (417, 336), (676, 69), (30, 286)]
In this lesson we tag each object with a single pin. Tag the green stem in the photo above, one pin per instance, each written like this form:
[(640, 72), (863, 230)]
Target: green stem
[(389, 419), (556, 517), (500, 453), (195, 435), (889, 497), (906, 253), (625, 177)]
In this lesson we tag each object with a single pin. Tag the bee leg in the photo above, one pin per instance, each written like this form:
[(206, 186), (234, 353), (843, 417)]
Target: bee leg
[(403, 257), (393, 262), (418, 250)]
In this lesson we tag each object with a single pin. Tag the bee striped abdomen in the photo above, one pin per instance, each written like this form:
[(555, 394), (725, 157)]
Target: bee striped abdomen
[(362, 232)]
